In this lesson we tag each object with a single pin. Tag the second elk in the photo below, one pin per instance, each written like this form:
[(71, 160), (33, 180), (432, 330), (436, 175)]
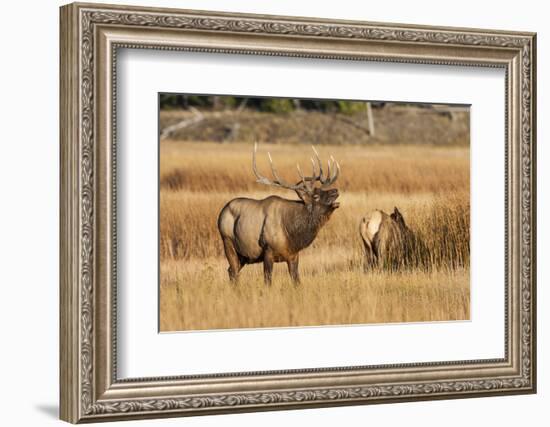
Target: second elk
[(389, 243)]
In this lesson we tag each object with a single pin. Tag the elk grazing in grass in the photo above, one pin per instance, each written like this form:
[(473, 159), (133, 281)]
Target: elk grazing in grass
[(389, 243), (275, 229)]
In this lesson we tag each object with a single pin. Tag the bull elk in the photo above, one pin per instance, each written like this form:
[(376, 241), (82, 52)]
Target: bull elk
[(275, 229), (389, 242)]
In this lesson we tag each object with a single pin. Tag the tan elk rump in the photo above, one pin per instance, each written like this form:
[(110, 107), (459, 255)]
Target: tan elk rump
[(276, 229)]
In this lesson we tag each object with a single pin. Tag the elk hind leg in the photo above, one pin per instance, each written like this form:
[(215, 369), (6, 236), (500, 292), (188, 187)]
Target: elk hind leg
[(233, 258), (370, 260), (368, 229)]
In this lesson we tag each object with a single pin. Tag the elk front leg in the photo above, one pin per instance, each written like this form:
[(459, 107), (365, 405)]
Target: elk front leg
[(268, 267), (292, 264)]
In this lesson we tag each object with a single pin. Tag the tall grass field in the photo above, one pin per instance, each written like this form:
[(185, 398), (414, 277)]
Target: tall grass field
[(429, 184)]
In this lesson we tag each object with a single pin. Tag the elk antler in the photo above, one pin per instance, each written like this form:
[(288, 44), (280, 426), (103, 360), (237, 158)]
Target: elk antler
[(331, 177), (278, 182), (306, 182)]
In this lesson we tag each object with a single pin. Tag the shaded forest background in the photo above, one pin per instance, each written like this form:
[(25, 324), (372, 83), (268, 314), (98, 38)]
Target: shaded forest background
[(228, 119)]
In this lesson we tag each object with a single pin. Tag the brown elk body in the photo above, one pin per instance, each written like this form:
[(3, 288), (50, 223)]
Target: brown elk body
[(275, 229), (388, 241)]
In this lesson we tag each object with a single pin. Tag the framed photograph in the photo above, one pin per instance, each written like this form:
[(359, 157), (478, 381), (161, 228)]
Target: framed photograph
[(266, 212)]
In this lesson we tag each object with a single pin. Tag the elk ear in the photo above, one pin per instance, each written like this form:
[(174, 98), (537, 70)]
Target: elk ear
[(396, 215), (305, 196)]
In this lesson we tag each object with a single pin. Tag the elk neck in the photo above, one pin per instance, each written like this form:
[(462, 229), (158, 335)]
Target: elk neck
[(302, 223)]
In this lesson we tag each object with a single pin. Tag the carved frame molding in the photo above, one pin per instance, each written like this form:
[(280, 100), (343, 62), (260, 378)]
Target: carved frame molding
[(90, 37)]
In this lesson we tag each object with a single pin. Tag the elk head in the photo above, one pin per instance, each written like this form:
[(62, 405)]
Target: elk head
[(398, 218), (319, 200)]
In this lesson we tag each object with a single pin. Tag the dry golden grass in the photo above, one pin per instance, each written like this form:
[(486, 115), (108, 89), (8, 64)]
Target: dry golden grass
[(430, 185), (196, 295), (211, 167)]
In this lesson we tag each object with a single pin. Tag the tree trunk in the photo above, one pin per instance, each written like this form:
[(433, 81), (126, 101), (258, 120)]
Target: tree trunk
[(370, 119)]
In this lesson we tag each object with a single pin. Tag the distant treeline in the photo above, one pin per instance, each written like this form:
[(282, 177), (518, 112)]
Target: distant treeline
[(269, 105)]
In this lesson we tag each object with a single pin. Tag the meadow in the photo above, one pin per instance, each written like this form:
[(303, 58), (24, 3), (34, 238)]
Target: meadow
[(429, 185)]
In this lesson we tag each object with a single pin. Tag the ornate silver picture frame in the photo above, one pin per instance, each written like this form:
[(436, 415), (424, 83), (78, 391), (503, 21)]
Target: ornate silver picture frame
[(91, 390)]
